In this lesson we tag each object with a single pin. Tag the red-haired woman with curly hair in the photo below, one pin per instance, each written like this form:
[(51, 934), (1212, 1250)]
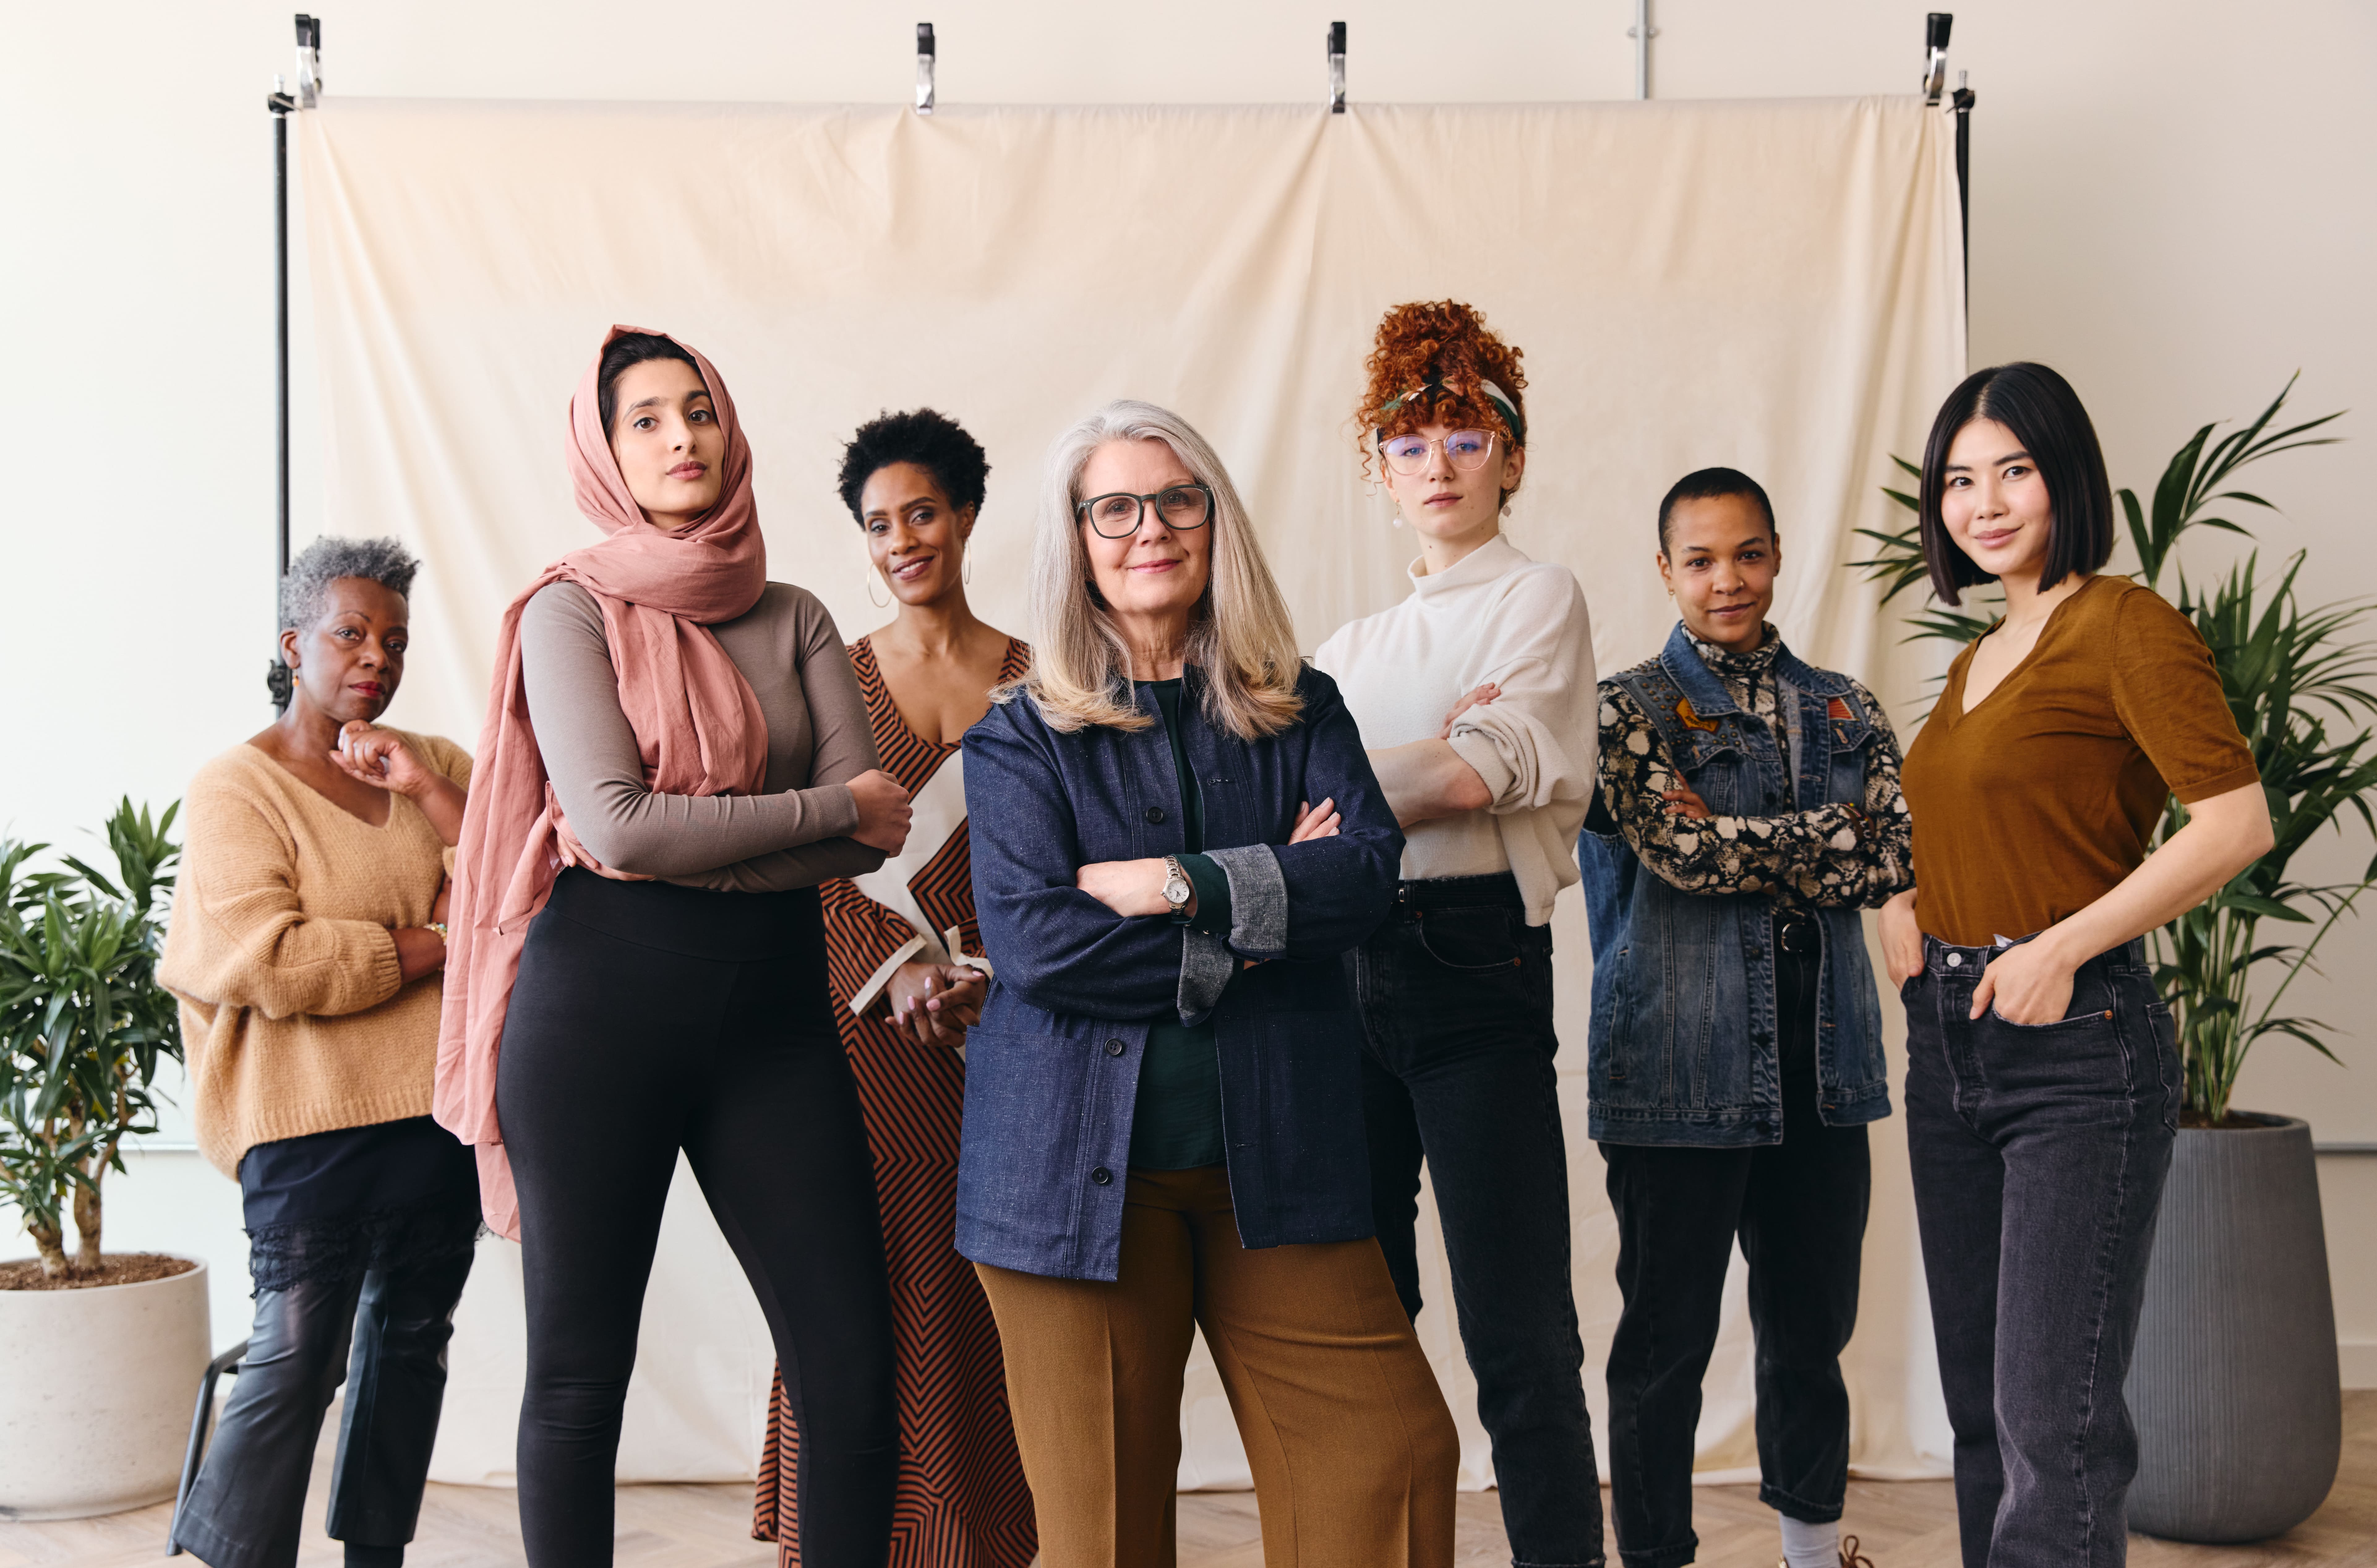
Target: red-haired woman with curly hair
[(1476, 695)]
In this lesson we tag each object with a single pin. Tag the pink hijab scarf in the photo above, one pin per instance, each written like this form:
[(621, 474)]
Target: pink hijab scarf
[(695, 720)]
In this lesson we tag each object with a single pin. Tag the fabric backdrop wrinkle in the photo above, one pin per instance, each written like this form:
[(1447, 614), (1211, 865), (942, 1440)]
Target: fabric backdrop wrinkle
[(1775, 287)]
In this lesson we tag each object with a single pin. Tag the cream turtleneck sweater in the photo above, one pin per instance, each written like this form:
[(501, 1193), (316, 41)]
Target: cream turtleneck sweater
[(1496, 615)]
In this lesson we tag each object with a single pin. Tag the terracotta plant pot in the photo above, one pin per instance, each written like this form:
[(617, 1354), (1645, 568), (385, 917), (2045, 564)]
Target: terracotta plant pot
[(96, 1388), (2235, 1386)]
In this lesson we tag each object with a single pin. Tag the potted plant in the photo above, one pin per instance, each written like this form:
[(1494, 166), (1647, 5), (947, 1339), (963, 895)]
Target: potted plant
[(2235, 1385), (100, 1354)]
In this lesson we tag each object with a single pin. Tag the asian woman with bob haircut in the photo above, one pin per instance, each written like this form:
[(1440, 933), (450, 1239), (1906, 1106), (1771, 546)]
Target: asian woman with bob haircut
[(1177, 838), (2043, 1079)]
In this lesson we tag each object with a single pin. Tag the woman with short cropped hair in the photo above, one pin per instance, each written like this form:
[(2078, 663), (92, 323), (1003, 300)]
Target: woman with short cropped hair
[(2043, 1077), (307, 945), (1749, 808), (1177, 838)]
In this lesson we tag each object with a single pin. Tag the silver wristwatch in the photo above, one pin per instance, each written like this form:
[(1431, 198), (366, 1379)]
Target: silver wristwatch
[(1177, 888)]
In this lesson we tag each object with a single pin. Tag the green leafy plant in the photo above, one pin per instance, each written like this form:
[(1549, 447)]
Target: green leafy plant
[(2296, 681), (83, 1026)]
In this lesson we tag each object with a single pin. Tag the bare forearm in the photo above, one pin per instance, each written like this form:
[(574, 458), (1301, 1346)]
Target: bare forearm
[(1427, 780), (2223, 836)]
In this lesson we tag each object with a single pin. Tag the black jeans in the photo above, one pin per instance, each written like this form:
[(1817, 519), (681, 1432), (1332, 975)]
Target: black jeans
[(1455, 990), (2038, 1154), (1799, 1209), (650, 1018), (246, 1509)]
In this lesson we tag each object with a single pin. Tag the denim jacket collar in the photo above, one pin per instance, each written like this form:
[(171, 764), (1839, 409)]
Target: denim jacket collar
[(1680, 661)]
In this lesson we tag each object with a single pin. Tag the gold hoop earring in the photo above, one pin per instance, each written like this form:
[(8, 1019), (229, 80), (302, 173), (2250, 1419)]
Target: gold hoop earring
[(966, 566), (872, 575)]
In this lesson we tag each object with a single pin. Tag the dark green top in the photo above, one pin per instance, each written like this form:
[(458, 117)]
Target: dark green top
[(1177, 1122)]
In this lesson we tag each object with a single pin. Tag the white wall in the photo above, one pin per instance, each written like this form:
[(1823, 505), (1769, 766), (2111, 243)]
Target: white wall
[(2170, 203)]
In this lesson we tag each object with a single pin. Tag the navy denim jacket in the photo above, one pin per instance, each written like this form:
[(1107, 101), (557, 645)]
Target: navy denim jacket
[(1682, 1039), (1052, 1071)]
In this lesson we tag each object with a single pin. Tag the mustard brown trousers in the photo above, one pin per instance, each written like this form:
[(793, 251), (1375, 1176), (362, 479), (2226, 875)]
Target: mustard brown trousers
[(1353, 1450)]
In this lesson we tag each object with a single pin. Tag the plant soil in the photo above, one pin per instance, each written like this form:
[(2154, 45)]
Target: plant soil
[(114, 1268), (2229, 1121)]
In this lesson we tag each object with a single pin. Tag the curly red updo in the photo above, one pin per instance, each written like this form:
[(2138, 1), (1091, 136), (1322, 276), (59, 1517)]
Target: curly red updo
[(1445, 347)]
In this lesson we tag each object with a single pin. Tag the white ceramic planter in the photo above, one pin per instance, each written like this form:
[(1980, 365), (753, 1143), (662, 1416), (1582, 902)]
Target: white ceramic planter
[(96, 1388)]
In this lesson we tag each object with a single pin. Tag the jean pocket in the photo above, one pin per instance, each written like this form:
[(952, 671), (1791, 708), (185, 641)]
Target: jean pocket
[(1475, 941), (2073, 1022)]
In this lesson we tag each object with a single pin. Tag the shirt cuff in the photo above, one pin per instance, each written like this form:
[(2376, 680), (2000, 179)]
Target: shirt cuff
[(1212, 915), (1478, 749)]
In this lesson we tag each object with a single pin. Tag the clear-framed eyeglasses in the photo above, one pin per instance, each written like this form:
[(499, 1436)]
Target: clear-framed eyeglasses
[(1465, 450), (1118, 515)]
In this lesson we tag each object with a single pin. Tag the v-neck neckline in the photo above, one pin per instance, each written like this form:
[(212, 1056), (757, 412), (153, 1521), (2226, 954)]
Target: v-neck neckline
[(1964, 710), (283, 769), (899, 714)]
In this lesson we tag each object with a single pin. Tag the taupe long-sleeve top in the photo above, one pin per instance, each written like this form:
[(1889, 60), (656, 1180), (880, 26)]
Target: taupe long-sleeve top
[(793, 834)]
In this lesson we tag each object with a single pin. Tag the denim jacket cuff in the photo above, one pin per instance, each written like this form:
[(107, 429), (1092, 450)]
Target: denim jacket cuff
[(1206, 966), (1258, 898)]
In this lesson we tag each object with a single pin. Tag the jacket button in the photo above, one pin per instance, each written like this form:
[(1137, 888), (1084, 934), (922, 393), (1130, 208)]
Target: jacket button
[(1102, 1176), (1116, 1048), (1156, 814), (1754, 951)]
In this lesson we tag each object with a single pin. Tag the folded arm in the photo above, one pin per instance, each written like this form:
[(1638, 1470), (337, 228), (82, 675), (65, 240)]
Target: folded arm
[(1834, 854), (240, 936), (590, 754), (1056, 945)]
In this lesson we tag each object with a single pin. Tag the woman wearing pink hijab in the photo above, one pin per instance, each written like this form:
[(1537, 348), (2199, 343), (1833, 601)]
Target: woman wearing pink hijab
[(675, 754)]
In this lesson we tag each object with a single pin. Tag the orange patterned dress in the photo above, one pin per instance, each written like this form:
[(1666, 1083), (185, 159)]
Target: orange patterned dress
[(961, 1501)]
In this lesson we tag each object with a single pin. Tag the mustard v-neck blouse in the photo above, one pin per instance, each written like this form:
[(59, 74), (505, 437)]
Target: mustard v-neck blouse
[(2033, 804)]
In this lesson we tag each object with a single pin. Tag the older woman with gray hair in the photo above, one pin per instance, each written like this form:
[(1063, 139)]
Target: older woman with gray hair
[(307, 946), (1177, 838)]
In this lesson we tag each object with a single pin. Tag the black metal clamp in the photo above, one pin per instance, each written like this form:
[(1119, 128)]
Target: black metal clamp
[(1336, 67), (924, 61)]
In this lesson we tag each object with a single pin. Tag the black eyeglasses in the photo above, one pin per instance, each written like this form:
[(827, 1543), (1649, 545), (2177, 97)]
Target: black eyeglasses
[(1118, 515)]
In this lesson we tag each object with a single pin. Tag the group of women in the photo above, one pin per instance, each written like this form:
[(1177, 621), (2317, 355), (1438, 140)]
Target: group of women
[(1022, 1010)]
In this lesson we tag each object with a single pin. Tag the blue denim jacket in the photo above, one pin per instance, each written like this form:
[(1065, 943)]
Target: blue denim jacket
[(1052, 1071), (1682, 1039)]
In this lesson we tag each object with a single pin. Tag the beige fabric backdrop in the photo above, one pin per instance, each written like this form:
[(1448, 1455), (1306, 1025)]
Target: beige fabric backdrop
[(1773, 286)]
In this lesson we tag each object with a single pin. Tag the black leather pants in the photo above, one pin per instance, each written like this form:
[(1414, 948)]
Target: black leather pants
[(246, 1508)]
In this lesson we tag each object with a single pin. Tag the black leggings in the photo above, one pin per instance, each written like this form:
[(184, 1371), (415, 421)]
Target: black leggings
[(648, 1018)]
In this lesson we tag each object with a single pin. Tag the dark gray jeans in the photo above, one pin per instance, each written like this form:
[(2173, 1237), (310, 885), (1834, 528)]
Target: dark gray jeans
[(2038, 1154), (1455, 991)]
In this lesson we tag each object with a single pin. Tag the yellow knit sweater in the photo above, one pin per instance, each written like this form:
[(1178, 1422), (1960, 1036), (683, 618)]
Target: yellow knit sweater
[(293, 1006)]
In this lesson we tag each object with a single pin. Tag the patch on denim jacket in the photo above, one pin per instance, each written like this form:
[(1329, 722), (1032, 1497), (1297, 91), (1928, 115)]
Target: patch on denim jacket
[(1689, 717)]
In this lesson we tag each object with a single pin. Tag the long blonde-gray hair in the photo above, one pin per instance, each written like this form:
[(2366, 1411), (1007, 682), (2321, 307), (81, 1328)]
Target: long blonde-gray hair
[(1240, 635)]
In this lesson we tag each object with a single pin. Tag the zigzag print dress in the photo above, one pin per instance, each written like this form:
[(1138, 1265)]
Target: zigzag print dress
[(961, 1501)]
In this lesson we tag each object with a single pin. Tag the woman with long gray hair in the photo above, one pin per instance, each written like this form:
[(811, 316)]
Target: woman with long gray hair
[(307, 947), (1176, 840)]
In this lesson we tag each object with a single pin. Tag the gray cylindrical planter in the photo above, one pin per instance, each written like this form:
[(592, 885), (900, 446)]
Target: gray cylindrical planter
[(2235, 1386)]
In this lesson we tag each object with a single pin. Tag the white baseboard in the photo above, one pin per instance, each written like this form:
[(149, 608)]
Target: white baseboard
[(2359, 1362)]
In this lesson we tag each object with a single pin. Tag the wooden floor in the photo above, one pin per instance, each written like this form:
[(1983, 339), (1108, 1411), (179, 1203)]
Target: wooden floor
[(1902, 1525)]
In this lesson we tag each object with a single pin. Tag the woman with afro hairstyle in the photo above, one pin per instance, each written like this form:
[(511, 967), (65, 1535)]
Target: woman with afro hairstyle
[(898, 944), (1476, 696)]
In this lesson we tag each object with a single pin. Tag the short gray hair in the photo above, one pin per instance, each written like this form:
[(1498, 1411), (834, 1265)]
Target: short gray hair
[(306, 587)]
